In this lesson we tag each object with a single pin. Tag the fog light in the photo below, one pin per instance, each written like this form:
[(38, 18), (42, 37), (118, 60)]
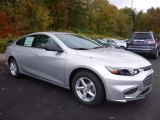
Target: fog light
[(130, 91)]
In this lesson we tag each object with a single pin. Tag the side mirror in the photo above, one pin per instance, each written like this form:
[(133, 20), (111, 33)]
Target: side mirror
[(53, 47)]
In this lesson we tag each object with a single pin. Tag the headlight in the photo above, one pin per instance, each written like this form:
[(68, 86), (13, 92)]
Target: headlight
[(123, 71)]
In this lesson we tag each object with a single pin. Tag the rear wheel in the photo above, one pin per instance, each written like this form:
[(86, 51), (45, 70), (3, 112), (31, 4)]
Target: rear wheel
[(122, 47), (88, 88), (155, 56), (13, 67)]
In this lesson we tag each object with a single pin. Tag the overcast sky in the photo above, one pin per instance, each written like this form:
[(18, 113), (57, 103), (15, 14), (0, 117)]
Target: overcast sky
[(138, 4)]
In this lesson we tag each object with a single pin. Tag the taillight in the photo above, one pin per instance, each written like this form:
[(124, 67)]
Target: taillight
[(151, 42)]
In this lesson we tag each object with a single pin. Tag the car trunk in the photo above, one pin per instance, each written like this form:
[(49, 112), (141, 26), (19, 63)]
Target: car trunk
[(142, 42), (141, 39)]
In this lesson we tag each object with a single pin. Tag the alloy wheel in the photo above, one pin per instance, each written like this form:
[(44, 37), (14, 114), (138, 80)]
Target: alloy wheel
[(13, 68), (85, 89)]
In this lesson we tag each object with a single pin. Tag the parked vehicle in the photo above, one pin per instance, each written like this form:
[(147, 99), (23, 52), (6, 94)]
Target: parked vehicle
[(116, 43), (144, 42), (77, 63), (121, 44), (101, 42)]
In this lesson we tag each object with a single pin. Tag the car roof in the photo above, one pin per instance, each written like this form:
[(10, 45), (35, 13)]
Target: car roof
[(143, 32), (54, 33)]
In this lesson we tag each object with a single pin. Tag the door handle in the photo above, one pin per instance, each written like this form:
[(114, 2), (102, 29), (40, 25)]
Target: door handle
[(18, 50), (36, 53)]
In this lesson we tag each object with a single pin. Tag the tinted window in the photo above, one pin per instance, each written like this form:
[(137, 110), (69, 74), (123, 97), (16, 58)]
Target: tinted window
[(76, 41), (43, 40), (140, 36), (111, 42), (20, 42)]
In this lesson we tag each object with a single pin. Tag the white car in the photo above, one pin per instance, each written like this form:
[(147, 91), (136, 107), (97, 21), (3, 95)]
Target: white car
[(92, 72), (116, 43)]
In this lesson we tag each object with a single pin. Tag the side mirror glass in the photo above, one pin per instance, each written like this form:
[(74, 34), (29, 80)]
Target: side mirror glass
[(53, 47)]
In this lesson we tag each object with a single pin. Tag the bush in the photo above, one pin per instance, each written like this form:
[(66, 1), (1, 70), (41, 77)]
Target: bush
[(3, 45), (4, 42)]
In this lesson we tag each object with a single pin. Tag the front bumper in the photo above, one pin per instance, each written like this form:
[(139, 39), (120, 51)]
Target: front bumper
[(128, 88)]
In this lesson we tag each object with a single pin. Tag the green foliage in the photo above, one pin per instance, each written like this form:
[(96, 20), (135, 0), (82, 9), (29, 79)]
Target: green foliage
[(27, 15), (97, 17), (3, 45), (4, 42)]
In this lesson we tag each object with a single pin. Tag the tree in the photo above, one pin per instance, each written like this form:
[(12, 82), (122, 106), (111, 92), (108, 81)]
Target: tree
[(3, 21), (30, 15), (131, 16)]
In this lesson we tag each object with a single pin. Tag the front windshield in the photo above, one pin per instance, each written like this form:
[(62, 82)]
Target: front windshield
[(77, 42)]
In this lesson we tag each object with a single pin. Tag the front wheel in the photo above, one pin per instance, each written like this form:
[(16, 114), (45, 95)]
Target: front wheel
[(88, 89)]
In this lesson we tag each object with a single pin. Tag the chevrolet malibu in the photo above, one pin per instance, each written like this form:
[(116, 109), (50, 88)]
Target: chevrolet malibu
[(92, 72)]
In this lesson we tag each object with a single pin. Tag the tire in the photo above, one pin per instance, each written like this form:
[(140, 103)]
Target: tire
[(13, 67), (91, 95), (155, 56), (122, 47)]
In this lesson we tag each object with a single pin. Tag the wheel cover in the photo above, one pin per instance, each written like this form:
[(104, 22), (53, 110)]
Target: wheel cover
[(13, 68), (85, 89)]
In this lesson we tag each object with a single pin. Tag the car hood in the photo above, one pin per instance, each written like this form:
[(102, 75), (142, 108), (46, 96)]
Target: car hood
[(116, 57)]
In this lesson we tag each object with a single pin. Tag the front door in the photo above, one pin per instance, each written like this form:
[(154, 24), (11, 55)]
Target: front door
[(49, 65)]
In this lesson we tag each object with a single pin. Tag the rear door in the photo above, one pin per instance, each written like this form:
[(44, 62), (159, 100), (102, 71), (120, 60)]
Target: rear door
[(23, 54)]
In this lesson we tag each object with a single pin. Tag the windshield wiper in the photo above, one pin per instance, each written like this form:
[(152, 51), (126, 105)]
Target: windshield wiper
[(80, 48)]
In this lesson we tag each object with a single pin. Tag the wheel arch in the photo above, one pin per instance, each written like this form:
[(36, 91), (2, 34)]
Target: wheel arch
[(9, 58), (75, 71)]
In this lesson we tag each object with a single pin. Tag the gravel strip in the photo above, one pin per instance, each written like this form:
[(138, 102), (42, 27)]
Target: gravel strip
[(2, 57)]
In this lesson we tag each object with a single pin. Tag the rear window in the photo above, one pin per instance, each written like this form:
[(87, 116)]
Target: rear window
[(141, 36)]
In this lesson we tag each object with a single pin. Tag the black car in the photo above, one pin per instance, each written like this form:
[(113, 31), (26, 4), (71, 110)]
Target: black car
[(144, 42)]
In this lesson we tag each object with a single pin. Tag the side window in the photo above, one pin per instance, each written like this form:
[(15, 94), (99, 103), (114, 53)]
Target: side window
[(26, 41), (43, 40), (29, 41), (111, 42), (20, 42)]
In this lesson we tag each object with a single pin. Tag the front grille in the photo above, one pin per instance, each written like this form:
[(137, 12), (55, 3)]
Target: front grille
[(146, 68), (148, 80)]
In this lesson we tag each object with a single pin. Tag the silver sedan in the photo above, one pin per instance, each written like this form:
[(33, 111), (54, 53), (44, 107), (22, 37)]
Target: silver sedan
[(75, 62)]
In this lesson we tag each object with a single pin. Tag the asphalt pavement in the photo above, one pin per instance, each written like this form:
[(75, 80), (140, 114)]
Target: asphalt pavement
[(27, 98)]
